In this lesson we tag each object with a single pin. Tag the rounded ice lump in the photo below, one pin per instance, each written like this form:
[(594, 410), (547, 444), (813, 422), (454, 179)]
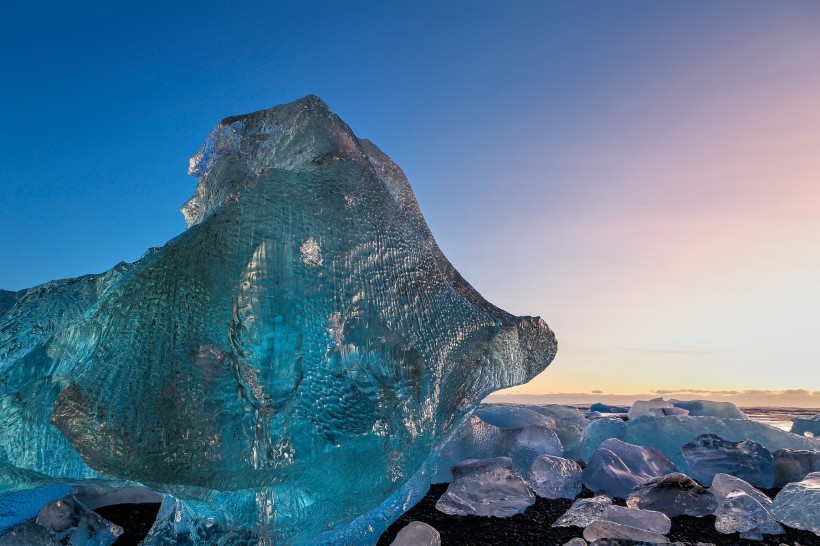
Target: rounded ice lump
[(294, 360)]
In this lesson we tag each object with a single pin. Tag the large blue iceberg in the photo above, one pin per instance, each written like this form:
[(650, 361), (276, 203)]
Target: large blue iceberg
[(285, 370)]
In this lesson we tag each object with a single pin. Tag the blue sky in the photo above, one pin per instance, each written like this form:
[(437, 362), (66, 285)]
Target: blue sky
[(640, 174)]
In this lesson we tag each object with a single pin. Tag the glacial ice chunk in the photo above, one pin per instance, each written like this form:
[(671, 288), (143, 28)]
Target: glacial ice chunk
[(617, 467), (599, 430), (792, 465), (608, 408), (476, 466), (417, 533), (708, 408), (601, 529), (501, 493), (583, 512), (512, 417), (304, 336), (674, 495), (554, 477), (709, 454), (723, 484), (741, 513), (809, 426), (798, 504)]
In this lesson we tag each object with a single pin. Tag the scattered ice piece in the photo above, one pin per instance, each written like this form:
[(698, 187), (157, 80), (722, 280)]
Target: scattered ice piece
[(554, 477), (792, 465), (607, 529), (69, 519), (655, 408), (809, 426), (417, 533), (674, 495), (723, 484), (698, 408), (798, 504), (476, 466), (709, 454), (501, 493), (648, 520), (742, 513), (583, 512), (607, 408), (577, 541), (503, 416), (616, 467), (569, 425)]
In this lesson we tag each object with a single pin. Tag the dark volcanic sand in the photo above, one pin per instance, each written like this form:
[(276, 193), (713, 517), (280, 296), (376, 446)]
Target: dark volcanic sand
[(533, 527)]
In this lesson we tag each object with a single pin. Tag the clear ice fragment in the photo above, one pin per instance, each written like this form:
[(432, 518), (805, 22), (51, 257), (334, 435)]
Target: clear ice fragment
[(798, 504), (709, 454), (674, 495), (554, 477), (601, 529), (583, 512), (417, 533), (617, 467), (501, 493)]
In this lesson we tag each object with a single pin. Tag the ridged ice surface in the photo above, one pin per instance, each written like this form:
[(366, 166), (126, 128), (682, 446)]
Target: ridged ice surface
[(293, 360)]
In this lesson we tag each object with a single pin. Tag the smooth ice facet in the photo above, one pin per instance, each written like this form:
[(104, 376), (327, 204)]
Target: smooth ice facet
[(617, 467), (304, 336), (417, 533), (698, 408), (475, 466), (501, 493), (798, 504), (554, 477), (709, 454), (648, 520), (512, 417), (583, 512), (674, 495), (600, 529), (723, 484)]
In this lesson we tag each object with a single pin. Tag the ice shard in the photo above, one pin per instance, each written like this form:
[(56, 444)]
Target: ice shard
[(294, 360)]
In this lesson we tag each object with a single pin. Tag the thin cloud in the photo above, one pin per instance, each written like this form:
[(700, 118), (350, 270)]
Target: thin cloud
[(596, 391)]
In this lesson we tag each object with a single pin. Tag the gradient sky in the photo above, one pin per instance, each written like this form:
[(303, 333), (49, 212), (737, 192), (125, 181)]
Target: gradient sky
[(643, 175)]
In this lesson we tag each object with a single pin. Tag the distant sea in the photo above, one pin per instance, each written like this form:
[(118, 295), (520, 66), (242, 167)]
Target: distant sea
[(775, 416)]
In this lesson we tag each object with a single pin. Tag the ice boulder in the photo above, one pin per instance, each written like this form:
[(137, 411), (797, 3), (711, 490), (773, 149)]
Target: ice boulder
[(741, 513), (648, 520), (476, 466), (698, 408), (597, 431), (583, 512), (608, 408), (304, 336), (809, 426), (600, 529), (792, 465), (569, 425), (674, 495), (501, 493), (554, 477), (655, 408), (798, 504), (616, 467), (709, 454), (417, 533)]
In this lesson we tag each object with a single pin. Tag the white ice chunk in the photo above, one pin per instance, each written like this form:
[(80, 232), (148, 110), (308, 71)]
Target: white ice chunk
[(674, 495), (417, 533), (583, 512), (501, 493), (655, 408), (809, 426), (554, 477), (616, 467), (798, 504), (607, 529), (709, 454), (503, 416), (723, 484)]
